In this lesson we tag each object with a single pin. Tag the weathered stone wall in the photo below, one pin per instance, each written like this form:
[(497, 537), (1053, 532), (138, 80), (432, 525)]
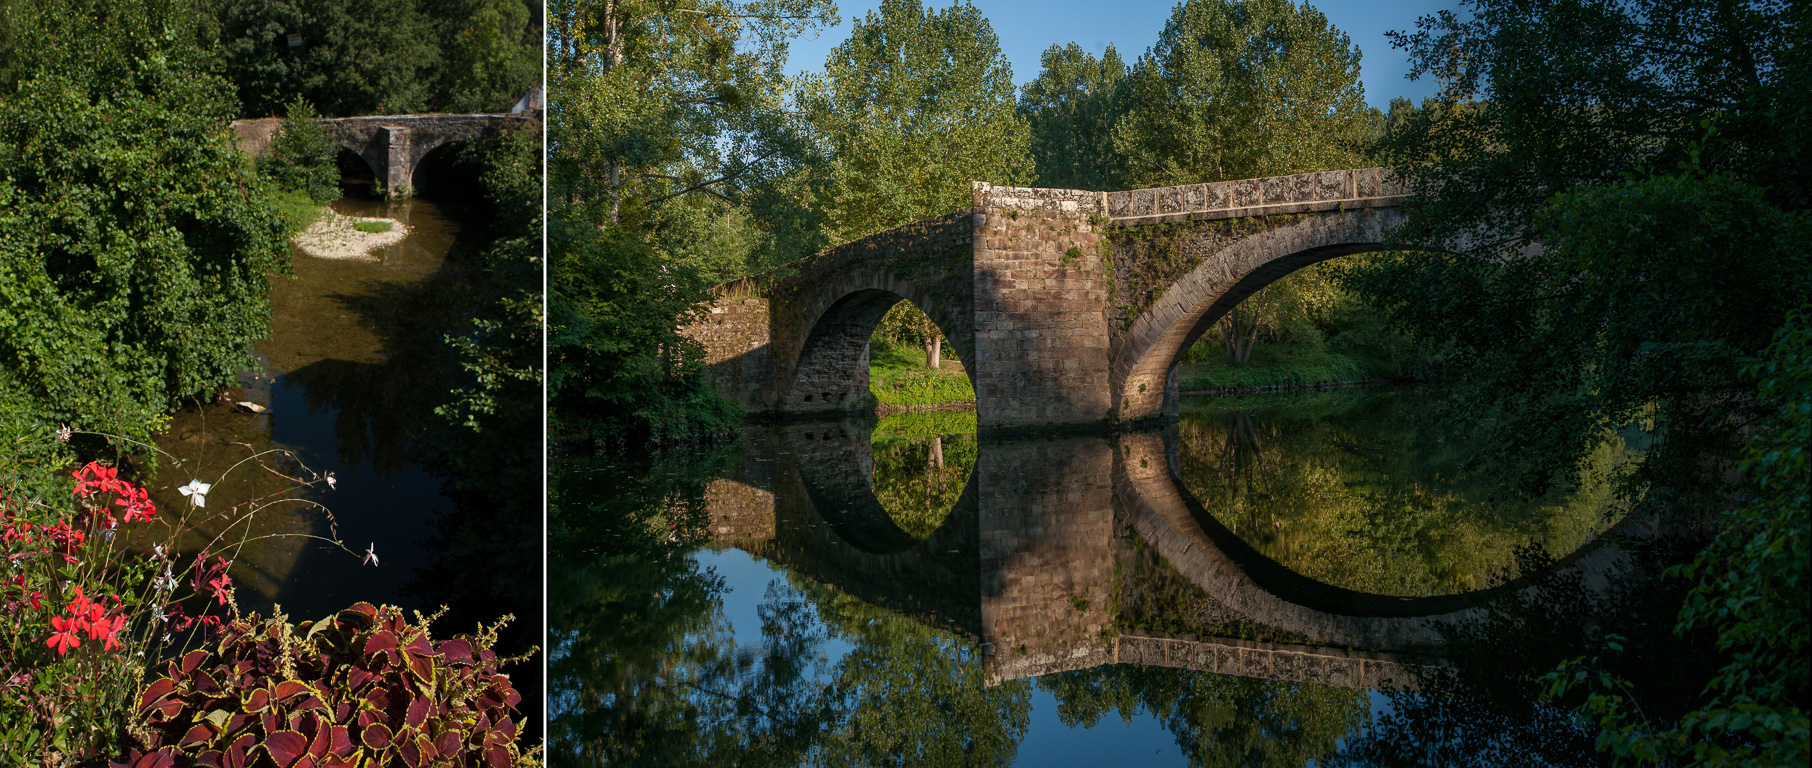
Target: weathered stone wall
[(738, 353), (255, 135), (1040, 336), (1046, 519)]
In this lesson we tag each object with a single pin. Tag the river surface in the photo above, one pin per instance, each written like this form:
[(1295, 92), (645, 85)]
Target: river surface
[(348, 375), (1245, 587)]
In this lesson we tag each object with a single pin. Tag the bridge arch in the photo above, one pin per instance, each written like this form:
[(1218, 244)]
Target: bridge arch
[(832, 369), (1158, 338)]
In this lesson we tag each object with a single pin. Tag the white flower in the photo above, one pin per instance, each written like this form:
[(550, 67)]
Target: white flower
[(370, 556), (197, 491), (63, 434), (166, 582), (331, 481)]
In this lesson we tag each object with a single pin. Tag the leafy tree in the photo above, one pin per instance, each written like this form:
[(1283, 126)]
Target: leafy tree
[(1237, 89), (302, 157), (490, 52), (1626, 311), (134, 242), (1071, 109), (1622, 191), (913, 107), (354, 57), (662, 115)]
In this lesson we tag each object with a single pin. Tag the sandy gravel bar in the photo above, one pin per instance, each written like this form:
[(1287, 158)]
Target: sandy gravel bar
[(332, 237)]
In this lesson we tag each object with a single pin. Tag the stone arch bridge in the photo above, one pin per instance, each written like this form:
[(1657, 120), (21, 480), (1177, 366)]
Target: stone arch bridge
[(391, 145), (1066, 307)]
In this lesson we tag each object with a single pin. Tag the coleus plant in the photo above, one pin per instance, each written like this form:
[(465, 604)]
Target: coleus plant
[(364, 687)]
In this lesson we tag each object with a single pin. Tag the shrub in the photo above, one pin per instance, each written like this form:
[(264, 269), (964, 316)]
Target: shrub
[(364, 687), (302, 157)]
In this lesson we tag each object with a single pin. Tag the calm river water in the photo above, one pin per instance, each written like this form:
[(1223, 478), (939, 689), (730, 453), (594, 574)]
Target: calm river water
[(1241, 588), (348, 377)]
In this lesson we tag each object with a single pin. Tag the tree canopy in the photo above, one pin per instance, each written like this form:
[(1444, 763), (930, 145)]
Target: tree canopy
[(134, 239), (913, 107)]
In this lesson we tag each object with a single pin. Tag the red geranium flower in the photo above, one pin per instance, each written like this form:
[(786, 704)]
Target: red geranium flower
[(64, 635)]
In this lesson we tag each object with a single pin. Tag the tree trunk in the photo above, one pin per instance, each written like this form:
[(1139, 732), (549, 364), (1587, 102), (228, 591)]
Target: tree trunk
[(937, 453), (934, 347)]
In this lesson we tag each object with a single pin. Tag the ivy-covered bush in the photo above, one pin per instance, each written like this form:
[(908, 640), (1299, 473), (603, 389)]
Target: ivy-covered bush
[(364, 687), (135, 242)]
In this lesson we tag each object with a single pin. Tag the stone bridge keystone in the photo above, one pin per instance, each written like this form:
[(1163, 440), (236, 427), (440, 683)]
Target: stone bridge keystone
[(1066, 307)]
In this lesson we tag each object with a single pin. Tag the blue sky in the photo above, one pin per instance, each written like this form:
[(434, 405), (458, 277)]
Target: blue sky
[(1027, 27)]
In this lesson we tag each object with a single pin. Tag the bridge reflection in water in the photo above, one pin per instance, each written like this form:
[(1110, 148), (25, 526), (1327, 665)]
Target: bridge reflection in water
[(1041, 550)]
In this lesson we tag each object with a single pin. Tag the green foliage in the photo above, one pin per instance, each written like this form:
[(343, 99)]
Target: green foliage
[(1237, 89), (372, 226), (897, 377), (915, 106), (675, 166), (1554, 123), (302, 157), (918, 480), (357, 57), (1751, 591), (1071, 109), (490, 52), (1368, 490), (364, 687), (134, 242), (295, 208)]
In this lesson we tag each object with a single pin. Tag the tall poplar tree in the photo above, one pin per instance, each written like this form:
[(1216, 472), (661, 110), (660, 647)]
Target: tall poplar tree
[(914, 106), (1071, 108), (1237, 89)]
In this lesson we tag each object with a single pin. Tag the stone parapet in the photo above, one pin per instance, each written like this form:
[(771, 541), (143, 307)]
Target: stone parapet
[(1296, 193)]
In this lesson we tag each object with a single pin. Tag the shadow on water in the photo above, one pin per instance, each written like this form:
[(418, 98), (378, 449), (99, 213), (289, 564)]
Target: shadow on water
[(899, 590)]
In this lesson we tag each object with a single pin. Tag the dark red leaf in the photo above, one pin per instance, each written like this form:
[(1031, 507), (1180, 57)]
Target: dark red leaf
[(457, 650), (376, 736), (200, 734), (448, 743), (340, 741), (158, 689), (497, 757), (285, 746), (418, 713)]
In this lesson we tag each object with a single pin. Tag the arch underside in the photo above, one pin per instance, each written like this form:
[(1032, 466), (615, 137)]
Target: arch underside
[(1145, 356), (831, 374)]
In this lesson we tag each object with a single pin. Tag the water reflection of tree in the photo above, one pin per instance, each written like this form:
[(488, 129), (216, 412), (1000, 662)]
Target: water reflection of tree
[(644, 671), (1367, 491), (918, 480), (1218, 720)]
